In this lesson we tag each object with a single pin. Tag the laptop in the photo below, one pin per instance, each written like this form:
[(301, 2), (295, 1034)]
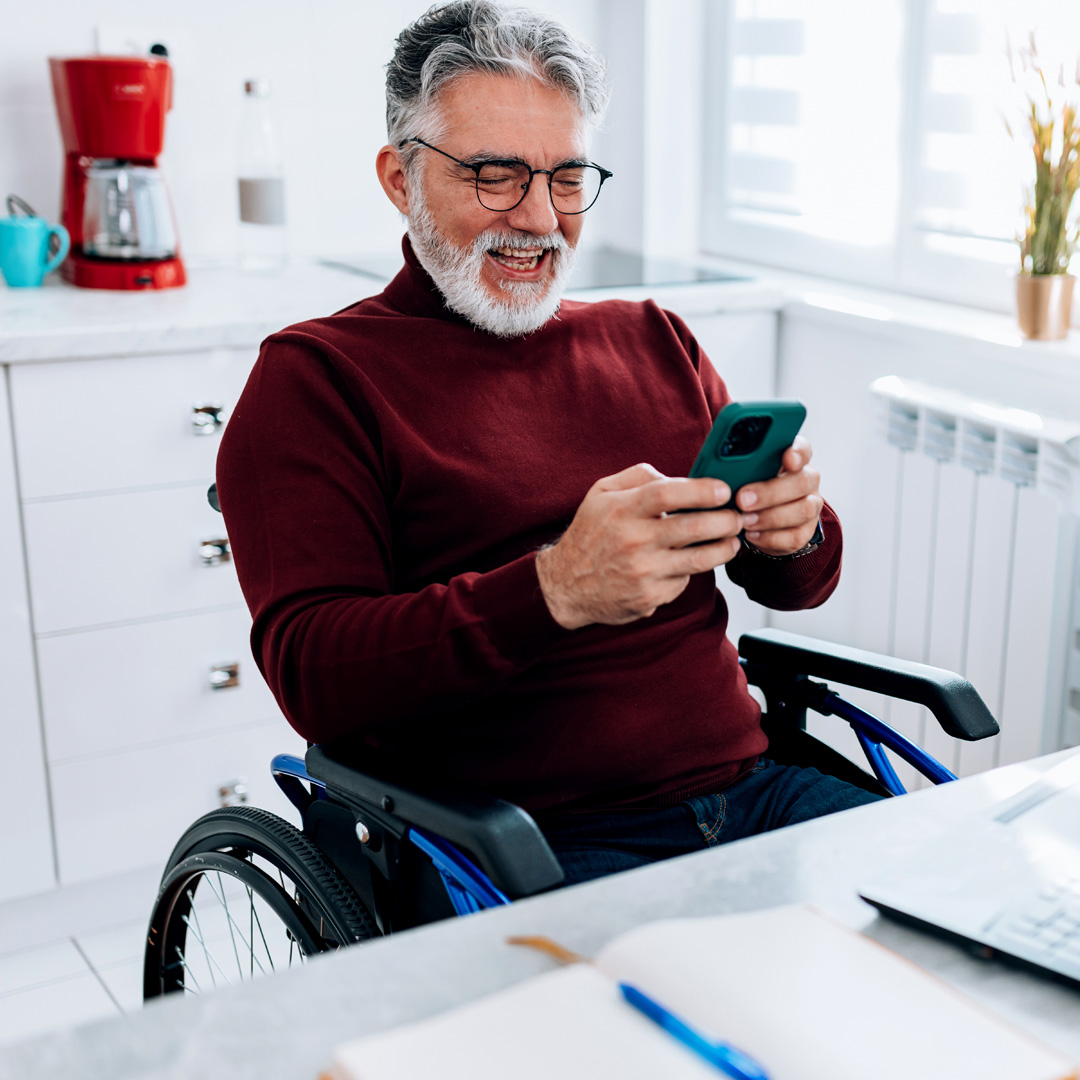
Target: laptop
[(1005, 881)]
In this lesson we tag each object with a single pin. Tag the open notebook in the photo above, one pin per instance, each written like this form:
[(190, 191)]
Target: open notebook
[(809, 998)]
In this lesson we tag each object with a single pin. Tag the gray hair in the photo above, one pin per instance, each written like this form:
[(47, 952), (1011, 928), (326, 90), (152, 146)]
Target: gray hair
[(469, 36)]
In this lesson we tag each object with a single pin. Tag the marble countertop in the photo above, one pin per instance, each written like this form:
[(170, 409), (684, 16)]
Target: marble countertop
[(286, 1027), (221, 307)]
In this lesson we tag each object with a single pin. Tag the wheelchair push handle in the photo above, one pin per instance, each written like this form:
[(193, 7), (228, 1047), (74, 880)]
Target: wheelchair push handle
[(777, 656)]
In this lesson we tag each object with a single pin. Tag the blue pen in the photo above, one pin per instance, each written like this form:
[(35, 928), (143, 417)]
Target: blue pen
[(726, 1058)]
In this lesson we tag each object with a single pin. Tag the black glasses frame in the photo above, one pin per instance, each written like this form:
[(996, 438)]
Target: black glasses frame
[(475, 167)]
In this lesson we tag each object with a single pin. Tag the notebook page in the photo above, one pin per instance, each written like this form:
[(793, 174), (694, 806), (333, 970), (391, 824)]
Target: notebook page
[(570, 1024), (814, 1000)]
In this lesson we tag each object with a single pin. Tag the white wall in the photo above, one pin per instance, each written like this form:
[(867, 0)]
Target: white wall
[(325, 63), (654, 135)]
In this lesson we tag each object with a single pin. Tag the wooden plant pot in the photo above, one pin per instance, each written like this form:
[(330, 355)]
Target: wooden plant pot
[(1042, 305)]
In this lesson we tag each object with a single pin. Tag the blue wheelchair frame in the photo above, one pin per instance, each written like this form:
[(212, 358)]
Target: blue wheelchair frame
[(468, 887), (471, 890)]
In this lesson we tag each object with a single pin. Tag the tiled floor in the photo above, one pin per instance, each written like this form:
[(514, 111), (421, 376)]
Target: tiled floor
[(73, 955)]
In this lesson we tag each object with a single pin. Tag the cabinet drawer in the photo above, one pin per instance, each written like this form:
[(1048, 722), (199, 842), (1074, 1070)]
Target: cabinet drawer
[(130, 686), (116, 557), (25, 837), (95, 425), (122, 811)]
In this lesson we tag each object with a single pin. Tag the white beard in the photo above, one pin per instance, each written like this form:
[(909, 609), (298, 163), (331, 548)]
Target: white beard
[(457, 273)]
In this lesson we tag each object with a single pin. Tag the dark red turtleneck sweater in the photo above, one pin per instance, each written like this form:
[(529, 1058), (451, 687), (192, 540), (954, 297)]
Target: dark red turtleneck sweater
[(386, 479)]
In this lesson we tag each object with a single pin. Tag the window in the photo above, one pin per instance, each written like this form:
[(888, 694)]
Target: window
[(867, 142)]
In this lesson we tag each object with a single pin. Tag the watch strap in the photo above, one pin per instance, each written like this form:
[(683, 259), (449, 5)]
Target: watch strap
[(815, 542)]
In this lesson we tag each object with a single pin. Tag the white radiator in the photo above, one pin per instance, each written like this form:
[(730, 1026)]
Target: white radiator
[(977, 508)]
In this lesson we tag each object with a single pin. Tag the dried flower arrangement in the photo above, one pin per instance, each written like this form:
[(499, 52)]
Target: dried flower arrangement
[(1049, 237)]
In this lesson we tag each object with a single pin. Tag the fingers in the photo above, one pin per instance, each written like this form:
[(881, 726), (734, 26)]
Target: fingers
[(669, 572), (780, 515), (629, 550), (672, 569), (672, 493), (797, 455), (783, 541), (660, 494), (683, 562), (682, 530), (788, 487), (791, 515), (635, 476)]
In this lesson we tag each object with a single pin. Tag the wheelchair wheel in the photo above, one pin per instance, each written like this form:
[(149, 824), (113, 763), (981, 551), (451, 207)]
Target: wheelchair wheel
[(245, 894)]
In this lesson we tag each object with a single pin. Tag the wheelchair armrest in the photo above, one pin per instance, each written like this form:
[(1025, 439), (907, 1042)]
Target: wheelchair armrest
[(955, 703), (503, 838)]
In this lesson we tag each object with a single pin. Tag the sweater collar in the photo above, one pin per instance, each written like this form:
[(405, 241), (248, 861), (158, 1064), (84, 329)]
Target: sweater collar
[(413, 292)]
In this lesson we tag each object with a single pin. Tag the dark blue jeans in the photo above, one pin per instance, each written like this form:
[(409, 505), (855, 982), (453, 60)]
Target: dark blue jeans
[(593, 844)]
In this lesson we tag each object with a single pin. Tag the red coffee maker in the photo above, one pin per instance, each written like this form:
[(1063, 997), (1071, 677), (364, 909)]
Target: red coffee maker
[(115, 203)]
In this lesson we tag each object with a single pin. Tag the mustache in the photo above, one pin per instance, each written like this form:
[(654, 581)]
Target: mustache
[(493, 238)]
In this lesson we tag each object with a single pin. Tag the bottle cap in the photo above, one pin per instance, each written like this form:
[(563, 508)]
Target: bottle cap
[(259, 88)]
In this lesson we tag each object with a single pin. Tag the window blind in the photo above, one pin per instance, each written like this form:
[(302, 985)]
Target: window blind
[(813, 117), (869, 141)]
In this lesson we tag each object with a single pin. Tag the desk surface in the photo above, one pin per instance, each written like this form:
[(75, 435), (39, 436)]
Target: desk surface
[(286, 1026)]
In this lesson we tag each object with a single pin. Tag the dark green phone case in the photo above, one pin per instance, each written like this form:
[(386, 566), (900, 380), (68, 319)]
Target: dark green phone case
[(763, 463)]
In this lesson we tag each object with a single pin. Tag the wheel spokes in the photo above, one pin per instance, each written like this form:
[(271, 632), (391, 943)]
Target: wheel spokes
[(214, 920), (234, 927), (211, 963), (187, 970)]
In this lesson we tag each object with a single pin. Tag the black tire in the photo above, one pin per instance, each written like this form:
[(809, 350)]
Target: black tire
[(282, 886)]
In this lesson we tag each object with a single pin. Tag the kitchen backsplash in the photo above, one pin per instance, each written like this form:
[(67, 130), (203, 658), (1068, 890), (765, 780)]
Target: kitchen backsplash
[(325, 64)]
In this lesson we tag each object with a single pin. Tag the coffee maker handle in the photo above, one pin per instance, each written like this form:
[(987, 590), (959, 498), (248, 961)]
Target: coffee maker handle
[(65, 246)]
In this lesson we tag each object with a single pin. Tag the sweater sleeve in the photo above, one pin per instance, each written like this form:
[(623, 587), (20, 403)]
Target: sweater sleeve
[(793, 584), (306, 499), (781, 584), (716, 393)]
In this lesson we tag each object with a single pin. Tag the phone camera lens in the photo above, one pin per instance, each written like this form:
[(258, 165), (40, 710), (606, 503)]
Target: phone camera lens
[(745, 436)]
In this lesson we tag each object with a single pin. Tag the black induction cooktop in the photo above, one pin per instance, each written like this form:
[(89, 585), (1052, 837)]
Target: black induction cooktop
[(600, 268)]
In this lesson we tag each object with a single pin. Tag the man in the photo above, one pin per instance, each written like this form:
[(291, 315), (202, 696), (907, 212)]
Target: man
[(452, 505)]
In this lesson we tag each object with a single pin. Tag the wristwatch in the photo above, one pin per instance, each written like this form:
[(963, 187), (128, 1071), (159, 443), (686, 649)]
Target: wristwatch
[(815, 542)]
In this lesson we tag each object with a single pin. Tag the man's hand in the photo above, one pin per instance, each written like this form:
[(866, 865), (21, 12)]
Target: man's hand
[(625, 553), (781, 515)]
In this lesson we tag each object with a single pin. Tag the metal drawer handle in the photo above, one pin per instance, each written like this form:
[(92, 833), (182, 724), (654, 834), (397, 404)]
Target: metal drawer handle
[(215, 551), (207, 419), (223, 676)]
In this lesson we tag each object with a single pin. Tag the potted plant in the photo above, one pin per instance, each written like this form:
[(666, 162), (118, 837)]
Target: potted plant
[(1044, 285)]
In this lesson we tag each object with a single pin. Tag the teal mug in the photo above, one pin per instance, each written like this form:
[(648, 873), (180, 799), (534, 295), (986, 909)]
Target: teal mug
[(26, 246)]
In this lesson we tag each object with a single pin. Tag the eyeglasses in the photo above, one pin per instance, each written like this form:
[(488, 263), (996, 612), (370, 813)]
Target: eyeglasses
[(501, 184)]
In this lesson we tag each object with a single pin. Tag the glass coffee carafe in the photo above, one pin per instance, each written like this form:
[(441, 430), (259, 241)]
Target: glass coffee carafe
[(127, 213)]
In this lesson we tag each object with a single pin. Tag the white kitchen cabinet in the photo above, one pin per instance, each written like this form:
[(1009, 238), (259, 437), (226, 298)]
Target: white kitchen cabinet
[(123, 423), (121, 742), (26, 849), (133, 613), (123, 810), (153, 682), (123, 556)]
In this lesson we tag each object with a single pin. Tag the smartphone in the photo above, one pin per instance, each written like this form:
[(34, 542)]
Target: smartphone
[(747, 441)]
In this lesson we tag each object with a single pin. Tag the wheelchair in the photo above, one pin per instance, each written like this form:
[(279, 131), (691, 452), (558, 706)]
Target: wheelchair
[(245, 893)]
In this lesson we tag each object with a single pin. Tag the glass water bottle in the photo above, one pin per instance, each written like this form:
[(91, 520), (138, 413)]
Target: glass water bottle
[(263, 234)]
